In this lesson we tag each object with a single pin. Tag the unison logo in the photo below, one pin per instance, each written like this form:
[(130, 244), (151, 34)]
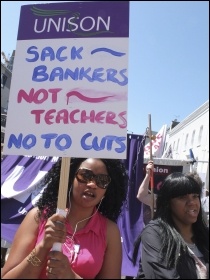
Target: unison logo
[(82, 26)]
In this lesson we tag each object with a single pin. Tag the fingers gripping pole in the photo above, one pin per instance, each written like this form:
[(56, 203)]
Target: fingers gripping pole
[(62, 194), (57, 246)]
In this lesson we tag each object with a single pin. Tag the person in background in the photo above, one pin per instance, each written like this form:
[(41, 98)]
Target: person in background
[(144, 194), (91, 241), (205, 205), (175, 244)]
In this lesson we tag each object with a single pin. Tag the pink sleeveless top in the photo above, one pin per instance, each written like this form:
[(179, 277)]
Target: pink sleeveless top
[(86, 253)]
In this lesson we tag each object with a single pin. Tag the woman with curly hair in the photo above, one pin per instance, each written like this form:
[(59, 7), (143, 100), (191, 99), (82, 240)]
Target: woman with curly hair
[(91, 242), (175, 244)]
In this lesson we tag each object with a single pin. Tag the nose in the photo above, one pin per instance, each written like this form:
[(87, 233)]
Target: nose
[(92, 183), (191, 199)]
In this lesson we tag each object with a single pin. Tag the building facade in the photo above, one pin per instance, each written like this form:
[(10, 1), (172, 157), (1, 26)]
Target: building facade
[(189, 139), (6, 76)]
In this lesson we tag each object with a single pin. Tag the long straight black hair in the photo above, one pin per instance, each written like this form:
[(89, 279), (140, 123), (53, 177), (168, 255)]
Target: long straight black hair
[(175, 185)]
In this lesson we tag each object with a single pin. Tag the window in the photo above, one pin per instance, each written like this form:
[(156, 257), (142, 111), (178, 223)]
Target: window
[(200, 135), (174, 145), (193, 138), (3, 80), (186, 140), (177, 146), (2, 138), (3, 120)]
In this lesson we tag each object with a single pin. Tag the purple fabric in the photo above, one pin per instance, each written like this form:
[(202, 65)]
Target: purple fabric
[(131, 220), (21, 186)]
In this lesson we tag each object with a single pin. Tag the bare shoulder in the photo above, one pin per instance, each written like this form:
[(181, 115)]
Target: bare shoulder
[(26, 233), (30, 223), (32, 215), (111, 268), (112, 225), (24, 240), (112, 230)]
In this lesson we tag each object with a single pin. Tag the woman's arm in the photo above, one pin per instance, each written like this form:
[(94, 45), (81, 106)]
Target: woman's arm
[(111, 268), (26, 259), (143, 195), (17, 266)]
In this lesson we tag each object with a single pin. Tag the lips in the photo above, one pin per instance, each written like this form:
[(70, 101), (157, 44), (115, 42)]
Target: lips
[(89, 194), (192, 212)]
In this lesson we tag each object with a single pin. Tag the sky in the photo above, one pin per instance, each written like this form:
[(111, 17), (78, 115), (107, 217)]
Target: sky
[(168, 67)]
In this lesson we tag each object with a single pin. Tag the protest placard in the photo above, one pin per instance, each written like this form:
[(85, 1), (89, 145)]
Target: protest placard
[(69, 86)]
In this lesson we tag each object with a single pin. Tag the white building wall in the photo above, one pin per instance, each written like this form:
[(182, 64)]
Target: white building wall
[(193, 133)]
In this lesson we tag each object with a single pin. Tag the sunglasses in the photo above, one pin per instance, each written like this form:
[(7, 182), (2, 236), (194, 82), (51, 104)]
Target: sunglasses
[(85, 175)]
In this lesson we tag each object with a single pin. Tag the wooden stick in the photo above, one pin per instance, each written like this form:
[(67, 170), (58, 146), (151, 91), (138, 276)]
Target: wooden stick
[(152, 176), (62, 194), (63, 184)]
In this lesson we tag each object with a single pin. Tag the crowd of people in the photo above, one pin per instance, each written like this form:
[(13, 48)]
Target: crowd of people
[(173, 245)]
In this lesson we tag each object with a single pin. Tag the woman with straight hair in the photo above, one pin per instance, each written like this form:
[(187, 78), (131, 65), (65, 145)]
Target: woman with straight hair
[(175, 244)]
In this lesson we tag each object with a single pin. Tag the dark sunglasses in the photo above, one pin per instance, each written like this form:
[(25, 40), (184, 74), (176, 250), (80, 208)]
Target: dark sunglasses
[(85, 175)]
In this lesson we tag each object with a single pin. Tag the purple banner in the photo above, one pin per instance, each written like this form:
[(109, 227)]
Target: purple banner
[(131, 220), (74, 20), (21, 186)]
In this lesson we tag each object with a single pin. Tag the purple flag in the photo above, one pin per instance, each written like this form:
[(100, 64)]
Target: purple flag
[(131, 220), (21, 187)]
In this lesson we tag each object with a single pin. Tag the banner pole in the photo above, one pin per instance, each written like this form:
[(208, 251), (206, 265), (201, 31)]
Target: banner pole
[(62, 193), (152, 175)]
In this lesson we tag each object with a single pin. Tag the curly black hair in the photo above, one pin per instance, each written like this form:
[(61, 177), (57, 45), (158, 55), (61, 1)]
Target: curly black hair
[(112, 203), (175, 185)]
